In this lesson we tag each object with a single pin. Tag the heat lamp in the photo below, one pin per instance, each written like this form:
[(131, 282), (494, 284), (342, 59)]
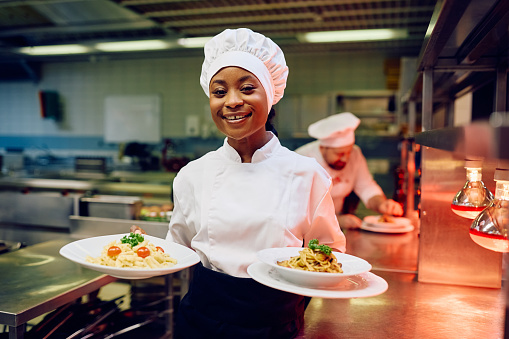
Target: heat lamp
[(490, 228), (474, 197)]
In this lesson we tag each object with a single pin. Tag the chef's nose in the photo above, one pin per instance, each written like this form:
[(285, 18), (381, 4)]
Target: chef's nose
[(342, 156), (233, 99)]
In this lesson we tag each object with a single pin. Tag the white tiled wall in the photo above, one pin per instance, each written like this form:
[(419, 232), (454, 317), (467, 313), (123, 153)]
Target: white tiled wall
[(83, 86)]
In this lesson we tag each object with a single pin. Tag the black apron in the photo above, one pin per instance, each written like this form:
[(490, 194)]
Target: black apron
[(222, 306)]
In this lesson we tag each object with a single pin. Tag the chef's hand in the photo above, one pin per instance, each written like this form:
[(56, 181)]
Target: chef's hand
[(391, 207), (137, 230), (349, 221)]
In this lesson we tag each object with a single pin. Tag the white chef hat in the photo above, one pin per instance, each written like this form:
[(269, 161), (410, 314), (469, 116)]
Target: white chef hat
[(251, 51), (336, 130)]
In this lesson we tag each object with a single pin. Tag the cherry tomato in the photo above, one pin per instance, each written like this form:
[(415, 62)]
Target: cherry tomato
[(159, 249), (113, 251), (143, 252)]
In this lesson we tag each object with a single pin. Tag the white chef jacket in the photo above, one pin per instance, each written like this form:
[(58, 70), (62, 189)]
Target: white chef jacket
[(227, 210), (355, 176)]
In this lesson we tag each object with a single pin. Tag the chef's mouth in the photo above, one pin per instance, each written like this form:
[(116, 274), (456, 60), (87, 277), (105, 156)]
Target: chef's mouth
[(237, 117), (338, 165)]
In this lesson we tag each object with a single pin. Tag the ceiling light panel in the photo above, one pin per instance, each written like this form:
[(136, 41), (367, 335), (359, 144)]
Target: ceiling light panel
[(141, 45), (55, 50), (354, 35)]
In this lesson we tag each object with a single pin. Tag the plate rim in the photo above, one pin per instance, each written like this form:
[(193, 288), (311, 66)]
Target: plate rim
[(328, 293), (406, 229)]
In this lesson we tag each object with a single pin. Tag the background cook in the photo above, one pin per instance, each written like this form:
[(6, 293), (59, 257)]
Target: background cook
[(336, 151)]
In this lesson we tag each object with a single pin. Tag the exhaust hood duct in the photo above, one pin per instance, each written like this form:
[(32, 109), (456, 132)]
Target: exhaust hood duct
[(19, 70)]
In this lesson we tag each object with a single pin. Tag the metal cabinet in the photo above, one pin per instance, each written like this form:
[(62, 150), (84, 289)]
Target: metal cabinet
[(33, 210), (466, 48)]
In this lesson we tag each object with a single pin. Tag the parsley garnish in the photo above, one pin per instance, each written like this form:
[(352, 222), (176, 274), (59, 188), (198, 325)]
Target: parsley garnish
[(132, 239), (313, 244)]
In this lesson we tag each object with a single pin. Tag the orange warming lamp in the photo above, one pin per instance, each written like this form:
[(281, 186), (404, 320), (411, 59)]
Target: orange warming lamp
[(474, 197), (490, 228)]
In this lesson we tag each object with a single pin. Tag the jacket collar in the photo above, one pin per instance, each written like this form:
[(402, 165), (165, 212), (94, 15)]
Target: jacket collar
[(265, 152)]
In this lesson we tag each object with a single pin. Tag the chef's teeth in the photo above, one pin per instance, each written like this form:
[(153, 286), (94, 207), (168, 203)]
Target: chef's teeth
[(235, 117)]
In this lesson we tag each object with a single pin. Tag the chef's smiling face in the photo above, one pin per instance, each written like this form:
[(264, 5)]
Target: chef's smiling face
[(336, 157), (238, 103)]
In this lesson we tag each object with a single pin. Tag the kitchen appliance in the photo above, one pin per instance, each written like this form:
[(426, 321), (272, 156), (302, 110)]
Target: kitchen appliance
[(90, 165), (111, 206)]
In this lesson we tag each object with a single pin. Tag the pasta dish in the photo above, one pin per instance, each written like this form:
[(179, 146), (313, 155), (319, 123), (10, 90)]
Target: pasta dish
[(314, 260), (386, 218), (129, 253)]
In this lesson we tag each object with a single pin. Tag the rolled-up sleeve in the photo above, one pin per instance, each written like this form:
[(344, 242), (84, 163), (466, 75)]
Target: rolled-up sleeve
[(365, 186)]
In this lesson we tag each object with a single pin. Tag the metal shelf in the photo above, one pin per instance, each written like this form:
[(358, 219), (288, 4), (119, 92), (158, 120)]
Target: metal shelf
[(466, 48), (101, 186), (477, 139)]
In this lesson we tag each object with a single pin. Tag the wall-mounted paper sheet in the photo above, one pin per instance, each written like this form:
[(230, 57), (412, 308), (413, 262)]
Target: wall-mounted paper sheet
[(133, 118)]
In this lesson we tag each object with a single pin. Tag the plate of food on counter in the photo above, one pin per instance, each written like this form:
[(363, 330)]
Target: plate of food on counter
[(130, 255), (316, 271), (386, 224)]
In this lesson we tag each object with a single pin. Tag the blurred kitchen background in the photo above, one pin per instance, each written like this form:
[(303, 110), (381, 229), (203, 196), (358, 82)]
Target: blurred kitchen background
[(94, 125), (100, 103), (105, 121)]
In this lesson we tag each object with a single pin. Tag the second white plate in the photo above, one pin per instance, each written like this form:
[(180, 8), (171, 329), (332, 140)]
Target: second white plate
[(357, 286)]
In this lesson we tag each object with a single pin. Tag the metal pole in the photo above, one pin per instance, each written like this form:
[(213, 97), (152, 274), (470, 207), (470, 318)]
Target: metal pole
[(501, 89), (427, 100), (411, 118), (410, 160)]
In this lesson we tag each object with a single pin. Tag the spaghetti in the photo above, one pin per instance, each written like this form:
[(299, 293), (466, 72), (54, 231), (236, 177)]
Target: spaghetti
[(314, 261)]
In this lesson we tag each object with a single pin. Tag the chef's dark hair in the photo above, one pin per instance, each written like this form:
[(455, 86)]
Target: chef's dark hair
[(268, 125)]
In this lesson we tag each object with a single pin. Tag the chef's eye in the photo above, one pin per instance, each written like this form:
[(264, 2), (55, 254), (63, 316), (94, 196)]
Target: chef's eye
[(219, 92), (248, 88)]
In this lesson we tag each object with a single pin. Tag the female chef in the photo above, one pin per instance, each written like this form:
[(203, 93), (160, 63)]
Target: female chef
[(250, 194)]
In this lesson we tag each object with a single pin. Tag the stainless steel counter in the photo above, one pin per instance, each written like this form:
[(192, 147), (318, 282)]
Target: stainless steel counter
[(386, 251), (37, 279), (408, 309)]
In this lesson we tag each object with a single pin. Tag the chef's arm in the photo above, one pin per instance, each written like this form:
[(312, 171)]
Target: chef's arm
[(382, 205)]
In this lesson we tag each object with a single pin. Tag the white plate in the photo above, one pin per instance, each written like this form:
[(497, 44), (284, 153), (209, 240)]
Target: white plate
[(402, 229), (357, 286), (399, 222), (77, 251), (351, 265)]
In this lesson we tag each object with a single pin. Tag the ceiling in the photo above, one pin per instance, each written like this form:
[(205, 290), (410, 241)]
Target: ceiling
[(46, 22)]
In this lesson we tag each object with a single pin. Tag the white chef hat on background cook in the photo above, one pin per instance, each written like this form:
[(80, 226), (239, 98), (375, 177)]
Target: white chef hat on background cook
[(251, 51), (337, 130)]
